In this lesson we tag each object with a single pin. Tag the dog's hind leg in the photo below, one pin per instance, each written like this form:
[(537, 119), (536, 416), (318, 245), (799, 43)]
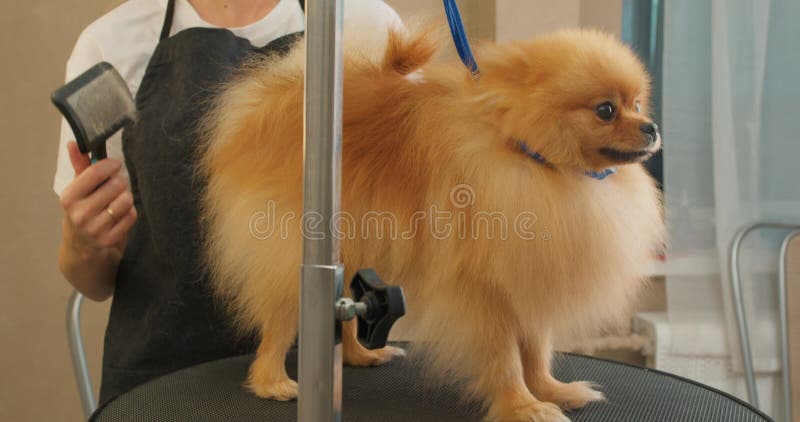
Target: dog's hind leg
[(354, 354), (536, 354), (267, 377)]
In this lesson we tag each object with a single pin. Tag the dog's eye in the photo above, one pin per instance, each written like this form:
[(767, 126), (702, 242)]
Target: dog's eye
[(638, 106), (605, 111)]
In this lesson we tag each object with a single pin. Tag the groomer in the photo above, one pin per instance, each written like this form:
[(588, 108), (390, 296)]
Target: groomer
[(130, 226)]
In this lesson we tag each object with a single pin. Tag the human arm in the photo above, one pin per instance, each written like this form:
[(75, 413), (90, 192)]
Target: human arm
[(93, 239)]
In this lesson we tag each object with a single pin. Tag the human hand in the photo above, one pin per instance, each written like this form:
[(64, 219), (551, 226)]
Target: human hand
[(98, 204)]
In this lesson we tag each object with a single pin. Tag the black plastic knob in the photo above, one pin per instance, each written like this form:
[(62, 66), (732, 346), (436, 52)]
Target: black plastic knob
[(385, 305)]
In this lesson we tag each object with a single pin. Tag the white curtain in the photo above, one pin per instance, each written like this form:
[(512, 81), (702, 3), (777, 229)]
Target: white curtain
[(731, 118)]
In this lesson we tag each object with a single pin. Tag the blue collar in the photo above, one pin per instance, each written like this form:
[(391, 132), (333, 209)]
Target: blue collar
[(599, 175)]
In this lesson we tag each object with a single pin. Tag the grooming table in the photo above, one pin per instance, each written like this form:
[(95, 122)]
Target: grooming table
[(399, 391)]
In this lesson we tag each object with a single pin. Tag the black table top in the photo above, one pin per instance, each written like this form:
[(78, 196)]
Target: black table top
[(399, 391)]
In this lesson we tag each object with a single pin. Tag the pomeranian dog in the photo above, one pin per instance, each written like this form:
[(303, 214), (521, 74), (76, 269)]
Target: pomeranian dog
[(493, 210)]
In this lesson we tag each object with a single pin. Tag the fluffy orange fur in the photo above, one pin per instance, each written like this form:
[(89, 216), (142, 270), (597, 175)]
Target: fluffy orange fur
[(421, 135)]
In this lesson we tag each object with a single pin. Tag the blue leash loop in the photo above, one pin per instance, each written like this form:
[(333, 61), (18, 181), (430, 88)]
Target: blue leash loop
[(460, 37), (599, 175)]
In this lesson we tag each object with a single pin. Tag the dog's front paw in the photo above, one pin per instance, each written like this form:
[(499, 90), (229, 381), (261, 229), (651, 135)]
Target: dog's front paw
[(282, 390), (572, 395), (360, 356), (534, 411)]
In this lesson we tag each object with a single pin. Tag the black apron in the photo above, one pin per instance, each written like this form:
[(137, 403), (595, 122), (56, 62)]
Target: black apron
[(163, 316)]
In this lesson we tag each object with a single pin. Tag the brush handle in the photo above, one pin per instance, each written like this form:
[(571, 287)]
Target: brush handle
[(99, 152)]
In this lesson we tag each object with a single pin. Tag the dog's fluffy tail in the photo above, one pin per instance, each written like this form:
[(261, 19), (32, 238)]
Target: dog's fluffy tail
[(409, 50)]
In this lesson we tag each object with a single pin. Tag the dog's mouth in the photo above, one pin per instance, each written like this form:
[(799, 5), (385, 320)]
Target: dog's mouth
[(632, 156)]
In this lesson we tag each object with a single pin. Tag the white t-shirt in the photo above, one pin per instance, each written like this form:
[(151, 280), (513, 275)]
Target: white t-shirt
[(127, 36)]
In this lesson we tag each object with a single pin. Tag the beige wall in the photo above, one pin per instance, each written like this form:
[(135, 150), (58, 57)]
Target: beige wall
[(36, 382), (602, 14), (505, 20), (478, 15), (517, 19), (36, 38)]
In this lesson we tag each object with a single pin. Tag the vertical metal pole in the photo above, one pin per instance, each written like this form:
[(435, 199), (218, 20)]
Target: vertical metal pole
[(320, 358)]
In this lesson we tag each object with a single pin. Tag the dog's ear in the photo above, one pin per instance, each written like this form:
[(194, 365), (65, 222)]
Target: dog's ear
[(508, 77), (508, 64)]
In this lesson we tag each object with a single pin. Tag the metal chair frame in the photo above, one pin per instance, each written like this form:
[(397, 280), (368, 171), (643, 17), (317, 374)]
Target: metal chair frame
[(741, 319), (75, 339)]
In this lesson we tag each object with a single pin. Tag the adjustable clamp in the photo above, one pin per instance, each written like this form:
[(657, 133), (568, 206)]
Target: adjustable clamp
[(376, 304)]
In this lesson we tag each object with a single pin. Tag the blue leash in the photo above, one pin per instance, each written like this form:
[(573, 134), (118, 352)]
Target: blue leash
[(460, 37)]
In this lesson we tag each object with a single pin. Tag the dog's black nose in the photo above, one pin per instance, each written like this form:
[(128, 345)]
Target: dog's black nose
[(649, 128)]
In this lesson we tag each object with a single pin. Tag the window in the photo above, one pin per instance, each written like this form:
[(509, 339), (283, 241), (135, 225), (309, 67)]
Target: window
[(642, 29)]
